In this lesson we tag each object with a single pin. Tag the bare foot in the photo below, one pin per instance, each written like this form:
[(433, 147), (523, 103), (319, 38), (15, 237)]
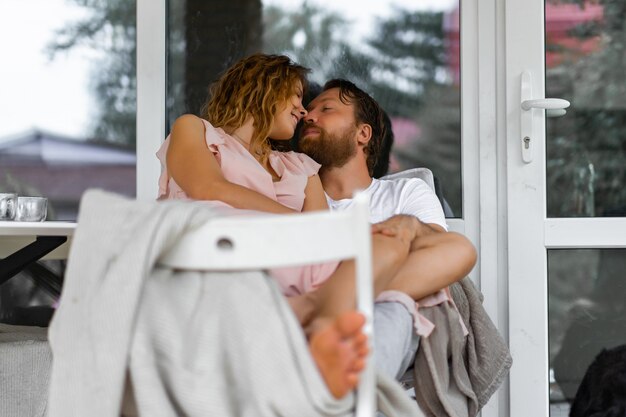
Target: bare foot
[(339, 349), (303, 306)]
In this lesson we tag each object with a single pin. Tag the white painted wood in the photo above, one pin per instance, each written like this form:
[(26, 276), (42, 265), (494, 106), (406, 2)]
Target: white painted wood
[(485, 152), (151, 90), (501, 190), (269, 241), (572, 233), (258, 240), (528, 334), (530, 233), (362, 243), (470, 133)]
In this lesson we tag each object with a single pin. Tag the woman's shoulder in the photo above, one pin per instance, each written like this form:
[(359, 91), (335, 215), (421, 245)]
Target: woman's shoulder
[(193, 123), (188, 121), (299, 162)]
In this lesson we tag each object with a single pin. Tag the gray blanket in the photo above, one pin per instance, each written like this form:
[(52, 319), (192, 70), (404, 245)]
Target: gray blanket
[(195, 343), (456, 375)]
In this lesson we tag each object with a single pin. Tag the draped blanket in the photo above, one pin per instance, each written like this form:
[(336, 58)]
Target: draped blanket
[(458, 368), (194, 343)]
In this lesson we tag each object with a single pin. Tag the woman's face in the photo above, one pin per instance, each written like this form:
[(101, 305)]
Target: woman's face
[(288, 115)]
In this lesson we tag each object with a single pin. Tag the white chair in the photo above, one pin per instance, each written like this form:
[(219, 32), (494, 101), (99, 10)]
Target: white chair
[(427, 176), (269, 241), (424, 174)]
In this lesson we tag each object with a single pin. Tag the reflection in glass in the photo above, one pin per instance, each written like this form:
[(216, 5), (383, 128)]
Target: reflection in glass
[(68, 100), (586, 149), (68, 111), (405, 56), (587, 313)]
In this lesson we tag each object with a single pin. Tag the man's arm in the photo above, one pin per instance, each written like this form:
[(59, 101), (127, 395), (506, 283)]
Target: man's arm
[(405, 226), (314, 197)]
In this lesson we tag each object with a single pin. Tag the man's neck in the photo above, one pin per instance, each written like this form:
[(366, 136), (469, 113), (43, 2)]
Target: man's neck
[(342, 182)]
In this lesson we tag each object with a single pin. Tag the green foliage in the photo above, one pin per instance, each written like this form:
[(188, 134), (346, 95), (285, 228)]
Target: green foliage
[(403, 65), (405, 54), (586, 168)]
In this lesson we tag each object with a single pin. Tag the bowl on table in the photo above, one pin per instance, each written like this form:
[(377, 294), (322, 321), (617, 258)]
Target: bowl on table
[(31, 209), (8, 204)]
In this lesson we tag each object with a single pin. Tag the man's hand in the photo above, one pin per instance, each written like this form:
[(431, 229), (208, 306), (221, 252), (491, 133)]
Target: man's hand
[(406, 228), (400, 226)]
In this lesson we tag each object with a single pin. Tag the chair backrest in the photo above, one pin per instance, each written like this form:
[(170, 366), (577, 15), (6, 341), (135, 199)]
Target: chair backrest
[(424, 174), (268, 241), (427, 176)]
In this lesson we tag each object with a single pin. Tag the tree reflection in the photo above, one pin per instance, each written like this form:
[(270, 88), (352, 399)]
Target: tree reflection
[(586, 149), (404, 64)]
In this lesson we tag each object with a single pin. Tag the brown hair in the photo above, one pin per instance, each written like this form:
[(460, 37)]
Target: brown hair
[(253, 87), (366, 110)]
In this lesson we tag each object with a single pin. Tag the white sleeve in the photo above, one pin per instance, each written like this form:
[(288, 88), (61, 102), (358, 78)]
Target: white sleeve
[(418, 199)]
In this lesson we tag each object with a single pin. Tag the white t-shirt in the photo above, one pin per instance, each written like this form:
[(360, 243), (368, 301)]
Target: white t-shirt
[(399, 196)]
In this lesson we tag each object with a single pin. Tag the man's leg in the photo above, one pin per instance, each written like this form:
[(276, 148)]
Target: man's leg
[(395, 340)]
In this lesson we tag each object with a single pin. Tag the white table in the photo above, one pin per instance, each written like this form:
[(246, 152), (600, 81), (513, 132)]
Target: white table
[(22, 243)]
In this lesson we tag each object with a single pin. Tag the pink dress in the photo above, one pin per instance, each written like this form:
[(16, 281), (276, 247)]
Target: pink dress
[(239, 167)]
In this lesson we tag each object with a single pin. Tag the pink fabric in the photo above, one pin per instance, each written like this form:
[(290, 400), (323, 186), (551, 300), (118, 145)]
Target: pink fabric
[(239, 167), (422, 325)]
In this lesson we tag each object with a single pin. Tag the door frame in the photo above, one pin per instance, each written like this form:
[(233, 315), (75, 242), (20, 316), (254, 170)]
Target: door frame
[(483, 163), (530, 233)]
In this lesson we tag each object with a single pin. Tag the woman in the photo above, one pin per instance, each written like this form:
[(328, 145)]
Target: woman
[(228, 158)]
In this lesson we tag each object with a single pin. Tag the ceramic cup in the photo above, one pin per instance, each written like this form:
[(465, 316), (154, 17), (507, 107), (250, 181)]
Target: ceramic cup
[(31, 209), (8, 203)]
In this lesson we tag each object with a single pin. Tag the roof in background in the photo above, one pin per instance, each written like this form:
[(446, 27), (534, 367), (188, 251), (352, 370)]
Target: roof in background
[(40, 146)]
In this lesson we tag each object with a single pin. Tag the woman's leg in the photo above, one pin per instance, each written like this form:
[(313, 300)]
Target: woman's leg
[(339, 351), (338, 293), (336, 340), (434, 262)]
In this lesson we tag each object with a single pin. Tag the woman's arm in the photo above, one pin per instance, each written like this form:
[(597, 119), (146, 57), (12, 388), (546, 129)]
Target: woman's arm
[(196, 170), (314, 197)]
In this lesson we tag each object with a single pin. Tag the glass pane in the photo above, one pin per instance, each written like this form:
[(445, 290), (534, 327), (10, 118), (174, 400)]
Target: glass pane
[(587, 313), (586, 149), (406, 54), (67, 112), (68, 99)]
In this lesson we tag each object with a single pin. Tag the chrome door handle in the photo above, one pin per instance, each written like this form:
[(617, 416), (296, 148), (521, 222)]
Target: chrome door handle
[(554, 107)]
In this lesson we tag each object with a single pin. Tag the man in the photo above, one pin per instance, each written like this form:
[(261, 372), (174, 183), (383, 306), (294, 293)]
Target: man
[(344, 131)]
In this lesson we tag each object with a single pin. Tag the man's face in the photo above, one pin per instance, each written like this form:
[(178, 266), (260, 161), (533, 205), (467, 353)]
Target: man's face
[(328, 134)]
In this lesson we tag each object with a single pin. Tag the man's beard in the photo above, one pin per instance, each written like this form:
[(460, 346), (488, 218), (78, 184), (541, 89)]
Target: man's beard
[(330, 150)]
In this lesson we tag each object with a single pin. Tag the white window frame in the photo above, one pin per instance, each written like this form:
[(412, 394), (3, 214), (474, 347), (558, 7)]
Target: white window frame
[(531, 233), (483, 158), (151, 90)]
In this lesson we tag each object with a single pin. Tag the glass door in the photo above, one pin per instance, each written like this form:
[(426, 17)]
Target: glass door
[(566, 184), (405, 54)]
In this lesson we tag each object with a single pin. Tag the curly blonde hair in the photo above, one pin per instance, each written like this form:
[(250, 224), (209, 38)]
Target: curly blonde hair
[(253, 87)]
